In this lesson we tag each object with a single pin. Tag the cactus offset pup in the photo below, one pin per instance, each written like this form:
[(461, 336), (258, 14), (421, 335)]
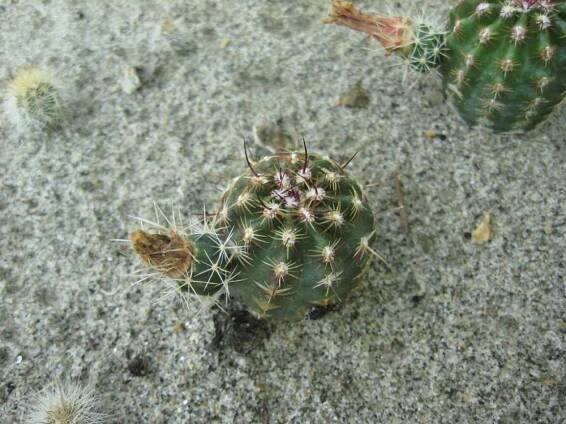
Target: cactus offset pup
[(33, 99), (291, 233), (502, 61)]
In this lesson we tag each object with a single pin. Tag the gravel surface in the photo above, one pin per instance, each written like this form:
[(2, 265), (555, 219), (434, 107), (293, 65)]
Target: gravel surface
[(158, 97)]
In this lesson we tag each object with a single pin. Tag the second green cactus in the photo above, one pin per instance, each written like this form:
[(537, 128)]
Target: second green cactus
[(291, 233), (503, 61)]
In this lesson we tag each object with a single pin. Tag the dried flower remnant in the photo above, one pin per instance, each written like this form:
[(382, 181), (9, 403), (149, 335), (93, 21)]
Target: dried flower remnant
[(482, 233)]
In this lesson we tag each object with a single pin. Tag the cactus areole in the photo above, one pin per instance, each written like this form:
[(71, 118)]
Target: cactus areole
[(291, 233), (502, 61)]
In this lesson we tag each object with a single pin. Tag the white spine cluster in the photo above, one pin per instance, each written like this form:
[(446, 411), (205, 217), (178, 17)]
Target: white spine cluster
[(65, 403), (427, 47)]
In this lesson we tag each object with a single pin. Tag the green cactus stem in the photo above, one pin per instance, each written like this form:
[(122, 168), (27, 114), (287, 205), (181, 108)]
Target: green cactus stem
[(291, 233), (502, 61)]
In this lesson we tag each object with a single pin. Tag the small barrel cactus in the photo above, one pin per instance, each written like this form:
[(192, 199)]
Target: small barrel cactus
[(503, 61), (33, 99), (291, 233)]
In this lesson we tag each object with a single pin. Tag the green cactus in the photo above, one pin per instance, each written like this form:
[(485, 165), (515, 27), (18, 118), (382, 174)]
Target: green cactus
[(291, 233), (33, 99), (502, 61)]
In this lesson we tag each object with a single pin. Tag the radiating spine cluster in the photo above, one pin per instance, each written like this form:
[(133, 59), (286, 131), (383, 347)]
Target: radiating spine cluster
[(291, 233), (504, 61), (66, 403)]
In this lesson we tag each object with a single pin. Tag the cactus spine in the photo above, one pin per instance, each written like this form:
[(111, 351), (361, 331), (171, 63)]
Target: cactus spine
[(291, 233), (503, 61)]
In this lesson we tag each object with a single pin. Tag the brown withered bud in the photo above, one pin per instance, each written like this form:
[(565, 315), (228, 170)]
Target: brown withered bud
[(169, 253), (394, 32)]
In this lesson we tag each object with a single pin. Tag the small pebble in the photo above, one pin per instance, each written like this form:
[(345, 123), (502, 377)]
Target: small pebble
[(435, 98), (130, 81), (547, 228), (430, 134)]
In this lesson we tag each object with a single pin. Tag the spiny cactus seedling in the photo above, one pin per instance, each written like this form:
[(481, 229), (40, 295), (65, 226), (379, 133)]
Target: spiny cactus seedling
[(65, 403), (291, 233), (503, 61), (33, 99)]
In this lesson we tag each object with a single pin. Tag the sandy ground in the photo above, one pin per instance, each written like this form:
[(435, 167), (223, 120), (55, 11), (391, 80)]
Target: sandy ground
[(450, 332)]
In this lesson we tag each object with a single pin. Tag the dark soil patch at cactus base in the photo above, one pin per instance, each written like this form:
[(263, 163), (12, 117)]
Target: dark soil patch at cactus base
[(239, 330)]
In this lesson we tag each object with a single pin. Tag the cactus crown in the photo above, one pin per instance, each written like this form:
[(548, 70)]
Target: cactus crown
[(291, 233)]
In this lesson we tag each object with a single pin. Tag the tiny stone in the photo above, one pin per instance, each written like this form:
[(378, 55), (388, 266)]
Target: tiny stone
[(430, 134), (139, 366), (318, 312), (547, 228), (435, 98), (130, 81), (179, 327), (168, 25), (10, 386)]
